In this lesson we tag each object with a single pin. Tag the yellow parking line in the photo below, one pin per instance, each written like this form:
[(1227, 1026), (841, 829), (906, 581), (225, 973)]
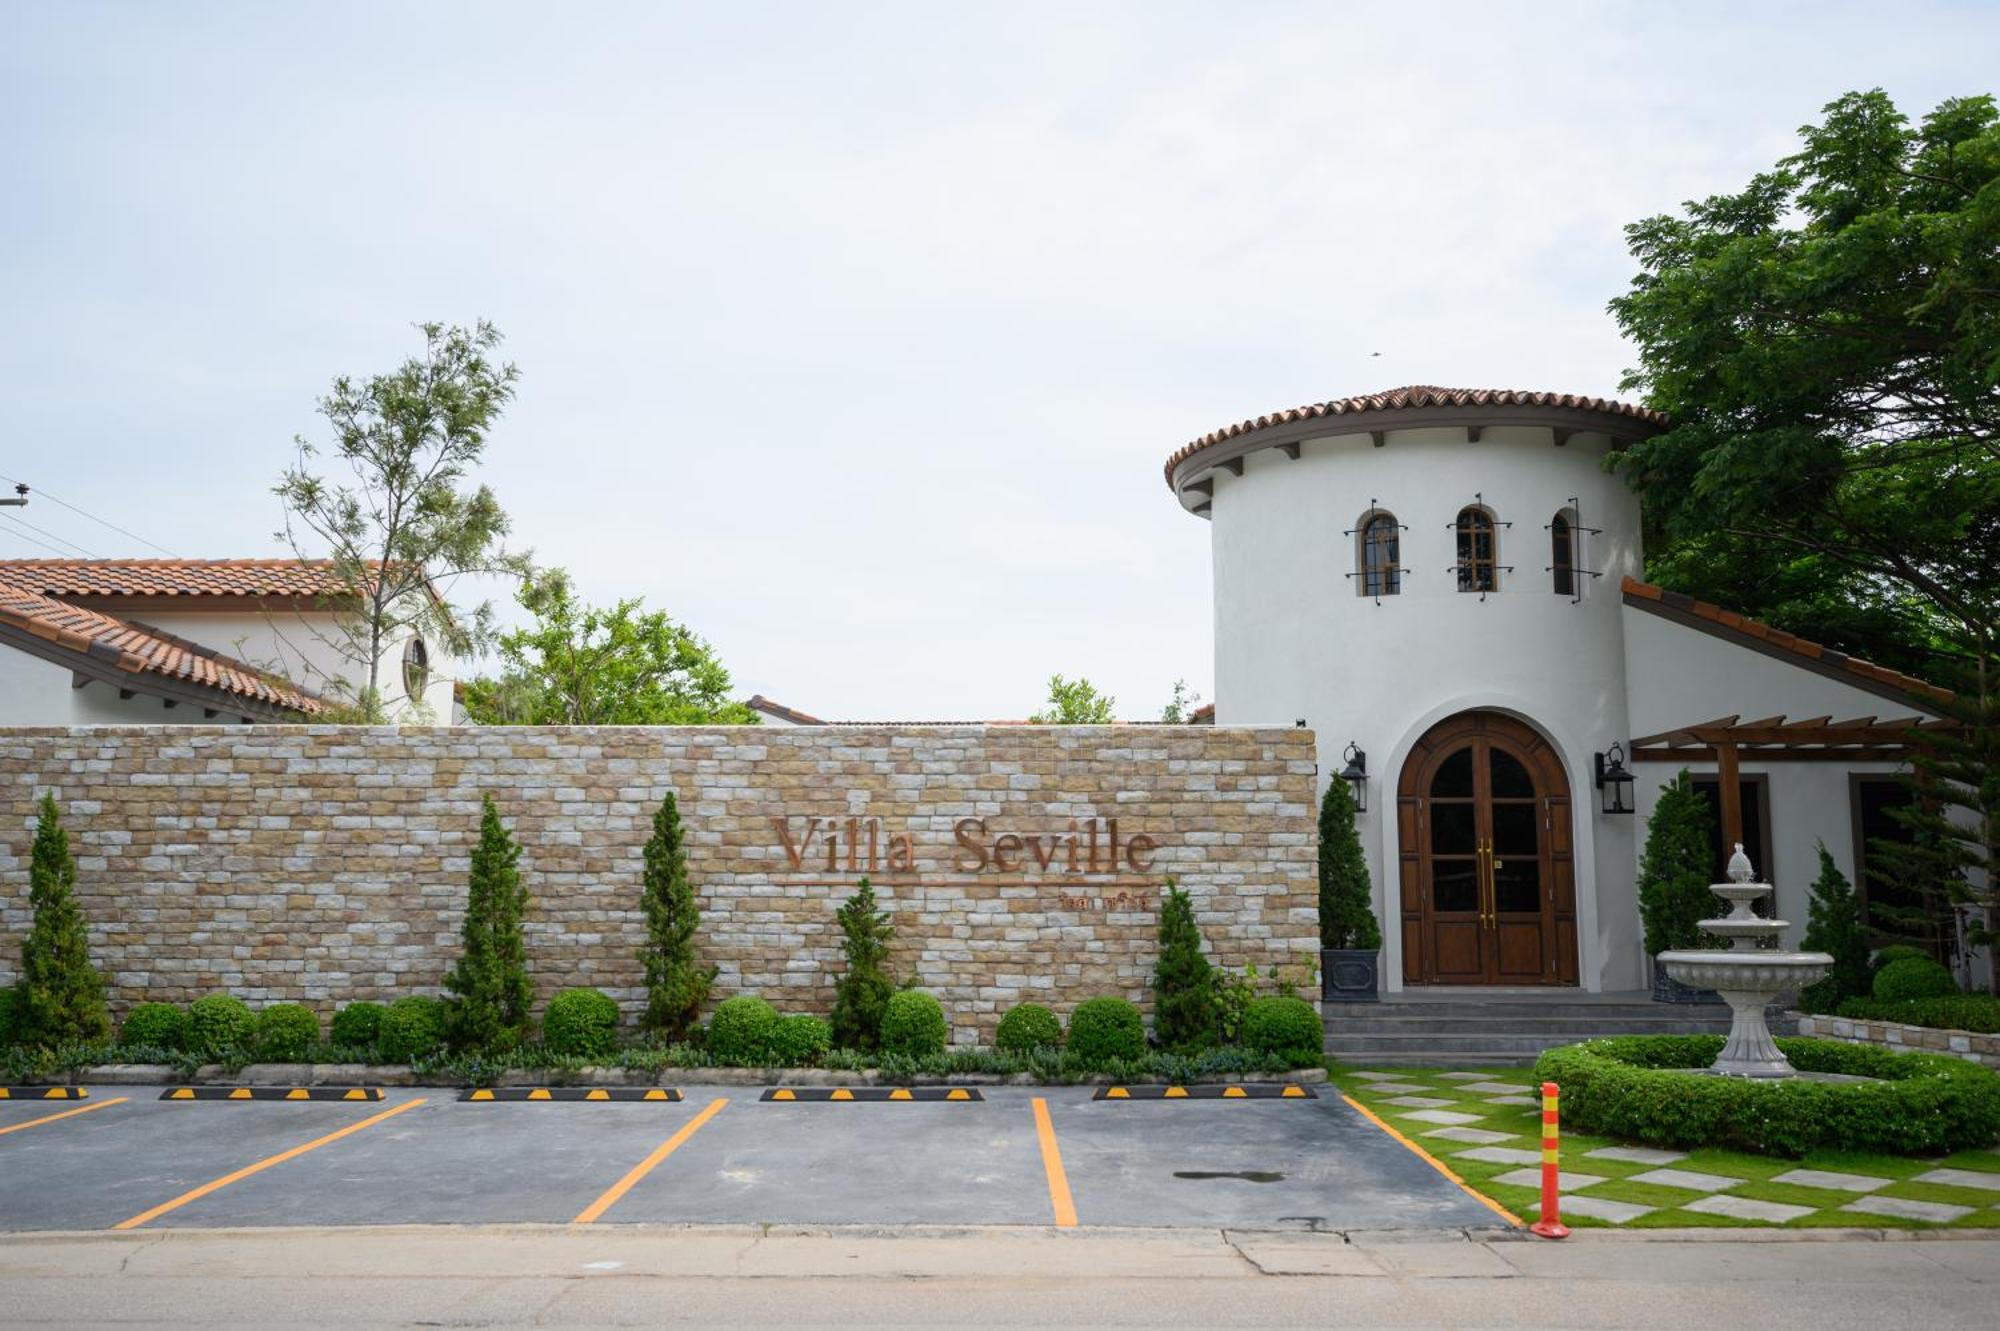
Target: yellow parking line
[(144, 1216), (1052, 1165), (67, 1113), (646, 1166), (1435, 1163)]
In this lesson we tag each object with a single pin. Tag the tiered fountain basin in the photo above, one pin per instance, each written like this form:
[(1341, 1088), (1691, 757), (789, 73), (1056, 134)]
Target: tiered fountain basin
[(1747, 976)]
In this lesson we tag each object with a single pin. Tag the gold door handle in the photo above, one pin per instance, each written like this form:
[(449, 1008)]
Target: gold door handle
[(1486, 884)]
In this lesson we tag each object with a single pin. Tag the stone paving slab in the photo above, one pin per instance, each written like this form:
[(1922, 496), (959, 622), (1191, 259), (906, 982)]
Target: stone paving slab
[(1501, 1155), (1938, 1213), (1479, 1135), (1454, 1076), (1443, 1116), (1685, 1178), (1603, 1208), (1419, 1102), (1833, 1180), (1962, 1178), (1532, 1178), (1381, 1076), (1401, 1088), (1637, 1155), (1496, 1087), (1516, 1101), (1748, 1208)]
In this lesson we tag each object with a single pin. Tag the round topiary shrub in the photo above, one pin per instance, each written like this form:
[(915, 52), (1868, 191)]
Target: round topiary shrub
[(1630, 1087), (913, 1025), (1028, 1026), (358, 1025), (742, 1031), (286, 1033), (219, 1022), (1913, 977), (582, 1023), (1102, 1030), (801, 1040), (1286, 1027), (412, 1027), (153, 1026)]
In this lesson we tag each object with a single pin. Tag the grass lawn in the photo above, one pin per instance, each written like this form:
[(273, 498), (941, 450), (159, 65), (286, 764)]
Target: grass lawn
[(1486, 1125)]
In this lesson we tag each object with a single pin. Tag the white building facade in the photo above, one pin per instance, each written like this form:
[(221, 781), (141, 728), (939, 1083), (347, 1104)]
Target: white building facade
[(1448, 580)]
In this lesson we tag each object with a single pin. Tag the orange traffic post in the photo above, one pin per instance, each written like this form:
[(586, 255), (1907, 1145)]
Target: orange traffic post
[(1550, 1226)]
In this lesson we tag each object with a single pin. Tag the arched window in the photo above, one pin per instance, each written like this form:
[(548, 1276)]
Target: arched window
[(1478, 562), (416, 668), (1381, 555), (1562, 552)]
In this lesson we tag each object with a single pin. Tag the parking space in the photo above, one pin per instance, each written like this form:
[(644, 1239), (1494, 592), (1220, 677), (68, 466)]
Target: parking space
[(718, 1156)]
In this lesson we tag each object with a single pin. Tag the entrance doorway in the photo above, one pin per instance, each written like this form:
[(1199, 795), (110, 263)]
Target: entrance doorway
[(1487, 882)]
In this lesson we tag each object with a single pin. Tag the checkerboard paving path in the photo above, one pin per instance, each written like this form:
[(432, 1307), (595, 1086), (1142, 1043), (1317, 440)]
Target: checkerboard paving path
[(1486, 1125)]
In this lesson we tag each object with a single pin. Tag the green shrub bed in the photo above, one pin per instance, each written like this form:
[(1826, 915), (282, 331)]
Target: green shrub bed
[(1285, 1027), (1106, 1030), (581, 1022), (1028, 1026), (1629, 1087), (913, 1025), (286, 1033), (1979, 1013), (219, 1022)]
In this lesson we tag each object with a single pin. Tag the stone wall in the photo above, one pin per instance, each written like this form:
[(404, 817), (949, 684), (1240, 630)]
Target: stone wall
[(1902, 1038), (326, 864)]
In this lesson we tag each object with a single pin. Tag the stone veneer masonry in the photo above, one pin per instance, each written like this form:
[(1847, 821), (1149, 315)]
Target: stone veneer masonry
[(326, 864), (1902, 1038)]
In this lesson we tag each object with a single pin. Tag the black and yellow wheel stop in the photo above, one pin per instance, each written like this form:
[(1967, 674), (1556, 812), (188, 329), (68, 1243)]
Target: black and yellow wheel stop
[(43, 1093), (1244, 1091), (871, 1094), (272, 1093), (570, 1094)]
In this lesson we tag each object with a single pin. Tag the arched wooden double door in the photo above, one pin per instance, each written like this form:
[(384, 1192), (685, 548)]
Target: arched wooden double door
[(1488, 885)]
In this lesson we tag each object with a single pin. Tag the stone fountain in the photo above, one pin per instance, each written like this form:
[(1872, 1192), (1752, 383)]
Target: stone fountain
[(1748, 977)]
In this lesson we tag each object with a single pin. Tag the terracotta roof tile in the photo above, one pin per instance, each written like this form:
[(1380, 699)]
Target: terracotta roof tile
[(136, 649), (1417, 397), (173, 577), (1637, 594)]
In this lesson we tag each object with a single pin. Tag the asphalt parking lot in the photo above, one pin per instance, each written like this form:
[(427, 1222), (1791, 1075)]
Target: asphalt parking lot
[(1016, 1156)]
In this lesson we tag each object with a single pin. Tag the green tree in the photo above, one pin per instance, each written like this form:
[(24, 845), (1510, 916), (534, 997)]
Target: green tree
[(1346, 909), (1834, 926), (489, 1010), (404, 521), (1075, 703), (1673, 871), (578, 664), (1826, 342), (1940, 864), (60, 997), (1185, 1014), (676, 987), (861, 995), (1180, 708)]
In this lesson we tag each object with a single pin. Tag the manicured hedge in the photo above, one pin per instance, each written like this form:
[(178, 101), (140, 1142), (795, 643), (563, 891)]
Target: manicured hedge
[(219, 1022), (1103, 1029), (358, 1025), (286, 1033), (412, 1027), (741, 1031), (1287, 1027), (1961, 1012), (581, 1022), (1913, 977), (1028, 1026), (1921, 1104), (798, 1041), (154, 1026), (7, 1001), (913, 1025)]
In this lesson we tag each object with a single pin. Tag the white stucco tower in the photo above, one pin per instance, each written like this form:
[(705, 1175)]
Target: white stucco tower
[(1433, 575)]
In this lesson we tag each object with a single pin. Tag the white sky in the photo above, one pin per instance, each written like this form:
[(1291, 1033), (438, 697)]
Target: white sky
[(853, 335)]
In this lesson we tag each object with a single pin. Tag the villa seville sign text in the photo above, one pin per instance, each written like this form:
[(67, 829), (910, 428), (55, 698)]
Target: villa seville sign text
[(1083, 849)]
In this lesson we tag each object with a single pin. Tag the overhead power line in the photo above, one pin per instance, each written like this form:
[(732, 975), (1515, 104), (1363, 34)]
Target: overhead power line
[(40, 493), (43, 531), (35, 541)]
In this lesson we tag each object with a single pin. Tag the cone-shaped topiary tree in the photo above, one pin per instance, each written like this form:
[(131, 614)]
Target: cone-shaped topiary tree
[(861, 996), (1833, 926), (1346, 915), (1673, 873), (60, 998), (1185, 1014), (676, 987), (490, 988)]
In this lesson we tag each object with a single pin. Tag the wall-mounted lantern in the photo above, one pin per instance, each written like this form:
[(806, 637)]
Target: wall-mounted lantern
[(1355, 774), (1614, 783)]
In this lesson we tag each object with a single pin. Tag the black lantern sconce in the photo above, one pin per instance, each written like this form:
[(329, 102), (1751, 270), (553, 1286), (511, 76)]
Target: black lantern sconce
[(1355, 774), (1614, 783)]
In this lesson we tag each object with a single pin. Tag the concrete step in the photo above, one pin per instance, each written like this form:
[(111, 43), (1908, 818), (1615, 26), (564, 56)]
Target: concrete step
[(1647, 1025), (1463, 1046)]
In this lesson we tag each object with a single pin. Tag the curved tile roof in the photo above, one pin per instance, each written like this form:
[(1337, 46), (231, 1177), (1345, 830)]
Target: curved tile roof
[(173, 577), (136, 649), (1416, 397)]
